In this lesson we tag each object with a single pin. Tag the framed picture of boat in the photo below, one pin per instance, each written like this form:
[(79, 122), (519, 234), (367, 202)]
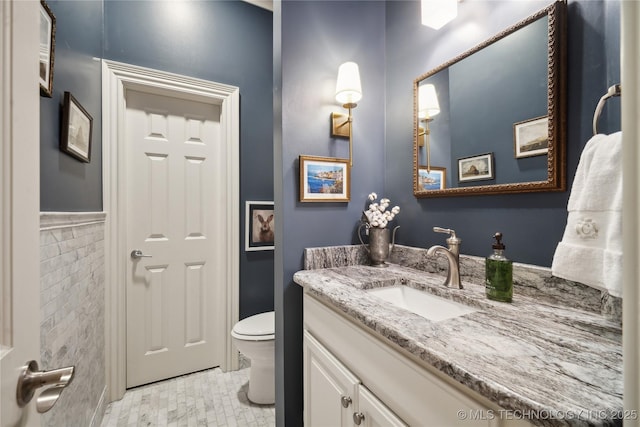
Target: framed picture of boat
[(324, 179), (531, 137), (432, 178)]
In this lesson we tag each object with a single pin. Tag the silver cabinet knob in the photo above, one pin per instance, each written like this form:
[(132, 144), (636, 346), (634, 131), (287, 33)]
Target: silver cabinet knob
[(346, 401), (31, 379), (137, 253), (358, 417)]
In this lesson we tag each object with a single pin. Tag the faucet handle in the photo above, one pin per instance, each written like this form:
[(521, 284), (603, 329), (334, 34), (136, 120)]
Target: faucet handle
[(448, 231), (453, 241)]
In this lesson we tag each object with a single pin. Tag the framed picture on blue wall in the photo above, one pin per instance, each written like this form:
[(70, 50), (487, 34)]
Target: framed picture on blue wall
[(47, 49), (77, 127), (476, 168), (432, 178), (324, 179), (259, 226), (531, 137)]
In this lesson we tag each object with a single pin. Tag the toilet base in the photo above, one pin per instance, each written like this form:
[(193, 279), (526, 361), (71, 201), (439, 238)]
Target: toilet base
[(262, 387)]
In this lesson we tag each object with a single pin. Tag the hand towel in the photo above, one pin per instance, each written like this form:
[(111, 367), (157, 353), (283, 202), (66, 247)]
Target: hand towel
[(591, 248)]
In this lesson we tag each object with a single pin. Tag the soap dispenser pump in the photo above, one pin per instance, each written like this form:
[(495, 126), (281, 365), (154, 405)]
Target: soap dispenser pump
[(498, 273)]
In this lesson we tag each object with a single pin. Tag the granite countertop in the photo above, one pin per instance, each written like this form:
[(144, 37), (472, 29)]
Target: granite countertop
[(540, 360)]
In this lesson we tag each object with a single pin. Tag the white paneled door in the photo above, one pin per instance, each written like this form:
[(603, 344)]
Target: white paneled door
[(20, 205), (175, 216)]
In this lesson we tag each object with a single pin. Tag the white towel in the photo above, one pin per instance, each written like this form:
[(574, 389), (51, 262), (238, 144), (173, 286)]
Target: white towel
[(591, 248)]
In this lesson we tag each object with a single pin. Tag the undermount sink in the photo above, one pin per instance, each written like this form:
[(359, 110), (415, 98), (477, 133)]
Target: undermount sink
[(421, 303)]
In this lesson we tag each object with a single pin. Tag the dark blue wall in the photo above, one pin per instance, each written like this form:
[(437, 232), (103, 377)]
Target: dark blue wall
[(533, 224), (440, 130), (223, 41), (317, 36), (227, 42), (502, 84), (67, 184)]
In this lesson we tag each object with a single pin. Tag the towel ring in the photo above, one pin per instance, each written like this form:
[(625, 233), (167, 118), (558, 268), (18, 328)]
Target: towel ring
[(614, 90)]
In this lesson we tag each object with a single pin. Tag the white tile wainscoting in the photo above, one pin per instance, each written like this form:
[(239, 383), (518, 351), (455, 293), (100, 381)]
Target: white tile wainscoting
[(72, 306)]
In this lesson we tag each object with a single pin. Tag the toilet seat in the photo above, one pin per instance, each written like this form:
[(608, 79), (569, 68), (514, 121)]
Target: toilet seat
[(259, 327)]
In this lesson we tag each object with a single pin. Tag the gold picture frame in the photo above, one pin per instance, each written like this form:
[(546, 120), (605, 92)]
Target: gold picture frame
[(324, 179), (432, 178)]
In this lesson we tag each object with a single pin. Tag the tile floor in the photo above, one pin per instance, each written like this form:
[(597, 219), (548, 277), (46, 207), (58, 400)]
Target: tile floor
[(207, 398)]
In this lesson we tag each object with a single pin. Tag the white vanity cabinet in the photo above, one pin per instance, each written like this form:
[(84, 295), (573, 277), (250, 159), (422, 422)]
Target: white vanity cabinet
[(373, 413), (334, 397), (390, 387)]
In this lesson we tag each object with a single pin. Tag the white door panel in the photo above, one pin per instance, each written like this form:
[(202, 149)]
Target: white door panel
[(175, 184), (19, 203)]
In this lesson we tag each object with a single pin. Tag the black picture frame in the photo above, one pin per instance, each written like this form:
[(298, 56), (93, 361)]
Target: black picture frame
[(77, 129), (259, 226), (531, 137), (476, 168), (47, 49)]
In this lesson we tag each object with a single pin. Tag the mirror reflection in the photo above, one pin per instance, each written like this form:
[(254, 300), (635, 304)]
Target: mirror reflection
[(489, 120)]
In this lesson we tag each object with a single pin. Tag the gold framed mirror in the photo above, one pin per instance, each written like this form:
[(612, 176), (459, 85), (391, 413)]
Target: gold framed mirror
[(494, 117)]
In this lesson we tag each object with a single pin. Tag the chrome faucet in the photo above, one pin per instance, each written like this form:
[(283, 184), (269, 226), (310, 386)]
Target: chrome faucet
[(453, 256)]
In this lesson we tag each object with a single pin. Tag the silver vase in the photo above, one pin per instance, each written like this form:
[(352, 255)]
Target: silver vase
[(379, 245)]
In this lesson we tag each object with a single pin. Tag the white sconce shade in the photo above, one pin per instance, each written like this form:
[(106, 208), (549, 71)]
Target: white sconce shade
[(436, 13), (428, 105), (348, 89)]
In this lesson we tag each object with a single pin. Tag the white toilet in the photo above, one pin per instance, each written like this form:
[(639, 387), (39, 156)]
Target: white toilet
[(255, 338)]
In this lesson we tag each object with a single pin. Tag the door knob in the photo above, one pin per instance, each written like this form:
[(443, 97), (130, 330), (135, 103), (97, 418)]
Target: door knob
[(31, 379), (137, 253)]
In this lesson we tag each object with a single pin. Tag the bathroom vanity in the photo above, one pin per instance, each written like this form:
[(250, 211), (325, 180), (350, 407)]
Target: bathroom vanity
[(552, 357)]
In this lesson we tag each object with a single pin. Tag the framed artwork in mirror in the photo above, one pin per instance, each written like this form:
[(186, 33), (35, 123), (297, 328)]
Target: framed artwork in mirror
[(531, 137), (259, 226), (432, 178), (532, 116), (47, 49), (476, 168), (77, 126), (324, 179)]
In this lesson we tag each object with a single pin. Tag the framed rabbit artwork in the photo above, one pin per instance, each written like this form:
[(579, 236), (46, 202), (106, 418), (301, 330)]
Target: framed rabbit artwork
[(260, 226)]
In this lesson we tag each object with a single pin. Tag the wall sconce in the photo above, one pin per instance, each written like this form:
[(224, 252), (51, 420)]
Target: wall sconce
[(436, 13), (348, 93), (428, 107)]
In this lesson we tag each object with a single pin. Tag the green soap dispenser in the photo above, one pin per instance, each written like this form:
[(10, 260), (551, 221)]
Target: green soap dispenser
[(498, 273)]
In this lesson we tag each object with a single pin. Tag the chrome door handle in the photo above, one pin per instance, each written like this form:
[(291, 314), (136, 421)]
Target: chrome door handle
[(137, 253), (31, 379)]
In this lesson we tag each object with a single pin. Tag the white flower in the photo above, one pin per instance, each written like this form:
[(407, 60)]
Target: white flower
[(377, 214)]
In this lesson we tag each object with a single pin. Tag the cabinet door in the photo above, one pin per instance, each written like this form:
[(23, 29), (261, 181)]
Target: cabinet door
[(373, 413), (329, 387)]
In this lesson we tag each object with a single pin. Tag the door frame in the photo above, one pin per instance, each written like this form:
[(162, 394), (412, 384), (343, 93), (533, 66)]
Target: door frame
[(116, 79)]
